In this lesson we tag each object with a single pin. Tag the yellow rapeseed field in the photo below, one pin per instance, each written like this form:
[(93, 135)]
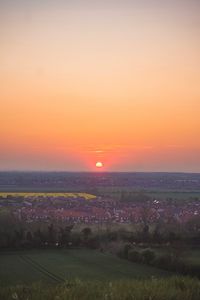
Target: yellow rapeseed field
[(86, 196)]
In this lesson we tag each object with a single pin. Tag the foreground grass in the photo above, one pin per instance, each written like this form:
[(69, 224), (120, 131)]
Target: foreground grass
[(174, 288)]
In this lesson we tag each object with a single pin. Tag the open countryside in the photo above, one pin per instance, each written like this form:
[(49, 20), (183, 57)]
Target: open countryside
[(57, 266)]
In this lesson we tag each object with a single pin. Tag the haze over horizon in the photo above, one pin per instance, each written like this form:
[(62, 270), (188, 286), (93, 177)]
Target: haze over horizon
[(111, 81)]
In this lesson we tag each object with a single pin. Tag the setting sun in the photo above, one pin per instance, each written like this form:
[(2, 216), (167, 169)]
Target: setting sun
[(99, 164)]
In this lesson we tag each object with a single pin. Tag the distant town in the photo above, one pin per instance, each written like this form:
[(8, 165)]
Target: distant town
[(135, 203), (98, 210)]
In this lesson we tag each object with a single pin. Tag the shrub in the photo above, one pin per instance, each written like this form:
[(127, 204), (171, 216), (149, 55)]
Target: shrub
[(126, 250), (134, 255), (164, 261), (148, 256)]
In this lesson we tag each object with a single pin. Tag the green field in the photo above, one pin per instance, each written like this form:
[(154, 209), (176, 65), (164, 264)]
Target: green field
[(114, 192), (159, 194), (193, 257), (54, 266)]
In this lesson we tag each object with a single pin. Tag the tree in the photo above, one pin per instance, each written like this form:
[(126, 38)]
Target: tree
[(51, 234), (156, 235), (38, 238), (65, 235), (86, 233), (29, 237)]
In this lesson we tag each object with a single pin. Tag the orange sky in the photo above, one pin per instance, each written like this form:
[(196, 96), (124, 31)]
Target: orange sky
[(115, 81)]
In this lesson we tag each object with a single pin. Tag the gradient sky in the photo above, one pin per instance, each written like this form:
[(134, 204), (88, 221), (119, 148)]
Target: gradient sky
[(115, 81)]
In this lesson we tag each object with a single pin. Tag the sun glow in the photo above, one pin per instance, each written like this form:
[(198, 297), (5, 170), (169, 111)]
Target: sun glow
[(99, 164)]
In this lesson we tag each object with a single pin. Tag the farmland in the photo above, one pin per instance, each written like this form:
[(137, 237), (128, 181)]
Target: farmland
[(29, 195), (161, 194), (55, 266), (66, 181), (87, 234)]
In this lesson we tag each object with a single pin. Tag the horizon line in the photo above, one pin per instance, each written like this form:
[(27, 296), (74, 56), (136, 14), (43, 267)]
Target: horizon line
[(96, 172)]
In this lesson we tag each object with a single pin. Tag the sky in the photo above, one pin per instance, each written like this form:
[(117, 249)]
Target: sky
[(110, 81)]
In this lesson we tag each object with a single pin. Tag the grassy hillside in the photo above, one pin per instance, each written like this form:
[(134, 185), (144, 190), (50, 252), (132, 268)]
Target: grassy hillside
[(55, 266)]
